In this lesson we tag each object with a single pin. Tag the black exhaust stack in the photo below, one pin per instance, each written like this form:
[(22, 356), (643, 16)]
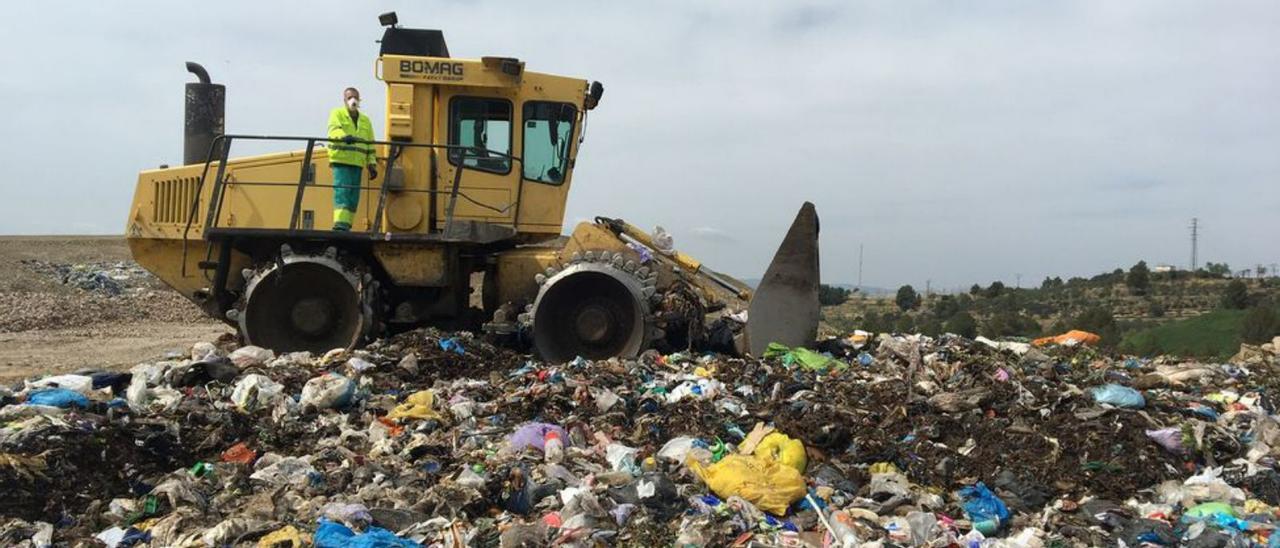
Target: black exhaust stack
[(205, 113)]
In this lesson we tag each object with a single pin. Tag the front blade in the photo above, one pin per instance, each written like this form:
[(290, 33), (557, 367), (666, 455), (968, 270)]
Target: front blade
[(785, 308)]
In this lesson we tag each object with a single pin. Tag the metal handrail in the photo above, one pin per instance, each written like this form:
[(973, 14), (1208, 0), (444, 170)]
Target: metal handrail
[(217, 195)]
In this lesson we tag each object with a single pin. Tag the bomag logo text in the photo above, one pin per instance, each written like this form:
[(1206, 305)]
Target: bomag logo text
[(432, 70)]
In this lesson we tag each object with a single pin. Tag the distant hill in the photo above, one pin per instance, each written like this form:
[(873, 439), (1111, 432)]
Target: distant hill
[(865, 290), (1178, 313)]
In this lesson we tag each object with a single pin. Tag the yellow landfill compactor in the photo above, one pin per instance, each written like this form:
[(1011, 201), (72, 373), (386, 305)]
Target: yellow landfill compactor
[(461, 230)]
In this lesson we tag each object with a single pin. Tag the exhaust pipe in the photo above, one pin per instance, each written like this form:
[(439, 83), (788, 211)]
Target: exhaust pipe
[(205, 115)]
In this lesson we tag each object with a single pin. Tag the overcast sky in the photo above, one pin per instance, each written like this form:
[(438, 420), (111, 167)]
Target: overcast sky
[(959, 142)]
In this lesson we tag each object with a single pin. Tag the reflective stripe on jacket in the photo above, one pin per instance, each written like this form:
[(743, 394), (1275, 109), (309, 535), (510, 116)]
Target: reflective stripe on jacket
[(352, 154)]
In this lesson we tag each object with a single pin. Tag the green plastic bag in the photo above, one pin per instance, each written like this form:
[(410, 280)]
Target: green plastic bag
[(803, 357)]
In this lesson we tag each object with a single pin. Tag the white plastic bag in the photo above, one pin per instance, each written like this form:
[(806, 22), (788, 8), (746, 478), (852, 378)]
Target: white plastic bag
[(284, 470), (255, 392), (621, 457), (202, 351), (250, 356), (1207, 486), (676, 449), (79, 383), (111, 537), (469, 478), (151, 373), (604, 398), (164, 398), (329, 391), (349, 514), (359, 365), (662, 240), (137, 394)]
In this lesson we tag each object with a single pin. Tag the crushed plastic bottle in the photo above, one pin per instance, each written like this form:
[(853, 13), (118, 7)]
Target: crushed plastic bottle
[(552, 447), (842, 527)]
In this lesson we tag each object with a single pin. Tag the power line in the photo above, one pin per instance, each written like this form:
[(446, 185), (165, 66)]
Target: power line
[(1195, 234), (859, 266)]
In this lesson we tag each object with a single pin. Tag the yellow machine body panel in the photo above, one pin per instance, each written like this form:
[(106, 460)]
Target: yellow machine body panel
[(165, 258), (517, 269), (162, 198), (415, 265)]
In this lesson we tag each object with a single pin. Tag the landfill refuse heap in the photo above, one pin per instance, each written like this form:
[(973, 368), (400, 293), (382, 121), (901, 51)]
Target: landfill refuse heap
[(47, 295), (440, 439), (108, 278)]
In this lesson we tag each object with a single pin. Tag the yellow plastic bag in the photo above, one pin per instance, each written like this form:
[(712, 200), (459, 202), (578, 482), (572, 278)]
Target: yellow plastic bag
[(1255, 506), (769, 485), (417, 406), (284, 534), (779, 447), (883, 468), (146, 524)]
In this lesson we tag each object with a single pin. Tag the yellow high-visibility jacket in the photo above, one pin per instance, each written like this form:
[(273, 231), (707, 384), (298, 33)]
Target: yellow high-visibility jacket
[(353, 154)]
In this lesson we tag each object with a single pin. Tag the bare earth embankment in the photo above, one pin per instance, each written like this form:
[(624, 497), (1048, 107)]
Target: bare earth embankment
[(79, 302)]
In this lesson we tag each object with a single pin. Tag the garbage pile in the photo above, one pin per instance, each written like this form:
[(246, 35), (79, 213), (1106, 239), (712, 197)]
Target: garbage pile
[(48, 295), (112, 279), (436, 439)]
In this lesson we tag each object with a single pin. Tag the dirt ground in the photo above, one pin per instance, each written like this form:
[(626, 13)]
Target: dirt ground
[(78, 302)]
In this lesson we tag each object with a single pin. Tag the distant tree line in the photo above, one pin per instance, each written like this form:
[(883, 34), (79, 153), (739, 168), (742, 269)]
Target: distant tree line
[(830, 295), (1059, 305)]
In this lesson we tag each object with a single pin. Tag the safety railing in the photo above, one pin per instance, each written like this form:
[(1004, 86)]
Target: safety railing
[(220, 150)]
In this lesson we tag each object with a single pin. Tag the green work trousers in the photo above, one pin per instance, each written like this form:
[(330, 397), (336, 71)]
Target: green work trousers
[(346, 195)]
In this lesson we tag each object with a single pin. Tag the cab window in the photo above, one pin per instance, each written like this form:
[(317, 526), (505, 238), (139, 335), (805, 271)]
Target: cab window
[(548, 132), (485, 124)]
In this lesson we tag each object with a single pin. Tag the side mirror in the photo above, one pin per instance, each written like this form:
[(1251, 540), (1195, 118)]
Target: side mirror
[(593, 96)]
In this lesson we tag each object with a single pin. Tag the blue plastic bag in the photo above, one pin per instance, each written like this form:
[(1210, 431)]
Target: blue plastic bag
[(987, 512), (1206, 412), (335, 535), (57, 397), (1119, 396), (452, 345)]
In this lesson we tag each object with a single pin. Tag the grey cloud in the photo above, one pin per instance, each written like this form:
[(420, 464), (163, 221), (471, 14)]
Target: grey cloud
[(712, 234), (1131, 185)]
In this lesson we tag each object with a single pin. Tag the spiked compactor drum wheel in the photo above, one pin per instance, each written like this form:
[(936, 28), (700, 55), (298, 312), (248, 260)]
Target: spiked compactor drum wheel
[(305, 302), (593, 310)]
